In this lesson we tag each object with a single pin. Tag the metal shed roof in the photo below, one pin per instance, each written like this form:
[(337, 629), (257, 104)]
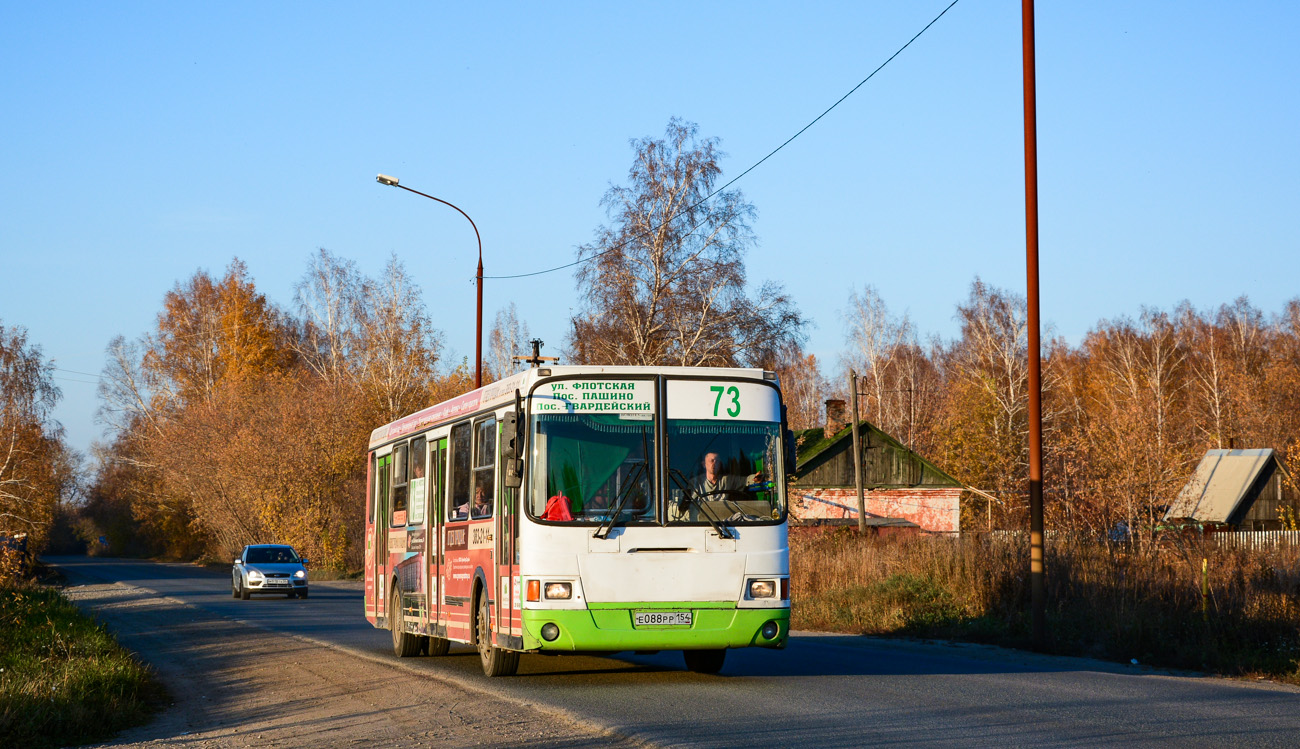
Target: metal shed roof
[(1221, 483)]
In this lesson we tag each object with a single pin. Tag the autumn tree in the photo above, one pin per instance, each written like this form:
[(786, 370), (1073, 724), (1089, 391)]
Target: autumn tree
[(36, 467), (665, 282), (211, 330), (899, 384), (329, 298), (804, 388)]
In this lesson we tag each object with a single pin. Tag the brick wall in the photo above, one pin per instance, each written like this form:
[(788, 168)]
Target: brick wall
[(935, 510)]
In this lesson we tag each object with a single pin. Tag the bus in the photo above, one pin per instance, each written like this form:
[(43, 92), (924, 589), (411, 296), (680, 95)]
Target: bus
[(585, 509)]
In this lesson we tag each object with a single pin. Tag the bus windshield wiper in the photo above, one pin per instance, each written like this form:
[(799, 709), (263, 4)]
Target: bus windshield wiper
[(689, 498), (608, 523)]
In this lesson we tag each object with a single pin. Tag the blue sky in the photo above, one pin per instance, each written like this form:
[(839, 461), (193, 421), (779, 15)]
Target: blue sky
[(143, 141)]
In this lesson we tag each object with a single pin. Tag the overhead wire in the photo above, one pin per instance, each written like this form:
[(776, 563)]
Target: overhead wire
[(752, 167)]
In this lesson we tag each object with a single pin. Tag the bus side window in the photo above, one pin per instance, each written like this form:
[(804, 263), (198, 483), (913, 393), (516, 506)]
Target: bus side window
[(370, 492), (382, 484), (417, 485), (485, 452), (459, 484), (400, 465)]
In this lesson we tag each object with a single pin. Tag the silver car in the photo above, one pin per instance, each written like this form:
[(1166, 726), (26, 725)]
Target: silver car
[(269, 568)]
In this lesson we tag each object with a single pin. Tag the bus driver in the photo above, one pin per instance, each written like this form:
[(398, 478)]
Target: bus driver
[(712, 481)]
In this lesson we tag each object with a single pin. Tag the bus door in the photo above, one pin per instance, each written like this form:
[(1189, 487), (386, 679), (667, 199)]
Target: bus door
[(437, 470), (507, 535), (370, 538), (485, 517), (380, 534), (456, 573)]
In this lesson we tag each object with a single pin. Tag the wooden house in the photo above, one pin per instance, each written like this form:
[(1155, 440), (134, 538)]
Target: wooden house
[(1244, 489), (898, 483)]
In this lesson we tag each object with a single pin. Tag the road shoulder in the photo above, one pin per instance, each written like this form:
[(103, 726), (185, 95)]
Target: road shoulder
[(234, 686)]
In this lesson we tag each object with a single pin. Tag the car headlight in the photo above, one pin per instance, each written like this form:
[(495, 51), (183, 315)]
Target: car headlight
[(559, 591), (762, 589), (254, 576), (300, 574)]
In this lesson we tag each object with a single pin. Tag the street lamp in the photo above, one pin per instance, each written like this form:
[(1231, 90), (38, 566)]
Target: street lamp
[(384, 179)]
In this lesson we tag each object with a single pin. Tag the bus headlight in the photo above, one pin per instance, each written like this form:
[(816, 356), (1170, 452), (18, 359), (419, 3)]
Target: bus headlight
[(770, 630), (559, 591), (551, 632), (762, 589)]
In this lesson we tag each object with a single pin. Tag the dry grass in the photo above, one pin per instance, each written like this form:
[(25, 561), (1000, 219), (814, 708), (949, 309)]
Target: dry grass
[(63, 679), (1104, 601)]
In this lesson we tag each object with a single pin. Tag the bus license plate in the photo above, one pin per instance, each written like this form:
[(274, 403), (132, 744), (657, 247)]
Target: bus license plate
[(662, 618)]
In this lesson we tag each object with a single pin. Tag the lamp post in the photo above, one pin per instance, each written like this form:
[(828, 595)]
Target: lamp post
[(384, 179)]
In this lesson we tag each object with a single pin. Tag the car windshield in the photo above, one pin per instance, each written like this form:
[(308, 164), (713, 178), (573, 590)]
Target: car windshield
[(593, 468), (271, 555)]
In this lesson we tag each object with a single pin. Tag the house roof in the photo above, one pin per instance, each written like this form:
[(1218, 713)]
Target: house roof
[(814, 442), (1220, 486)]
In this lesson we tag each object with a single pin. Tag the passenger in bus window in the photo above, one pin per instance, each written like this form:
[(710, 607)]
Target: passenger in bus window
[(461, 512), (598, 503), (482, 505)]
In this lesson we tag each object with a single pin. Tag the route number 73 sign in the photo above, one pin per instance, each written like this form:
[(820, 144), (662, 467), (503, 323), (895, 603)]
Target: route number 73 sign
[(725, 401)]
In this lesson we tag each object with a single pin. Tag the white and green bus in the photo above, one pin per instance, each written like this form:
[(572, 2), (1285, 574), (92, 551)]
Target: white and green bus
[(585, 509)]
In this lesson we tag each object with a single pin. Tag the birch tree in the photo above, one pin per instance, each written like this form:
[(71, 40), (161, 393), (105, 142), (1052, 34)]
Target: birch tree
[(665, 282), (508, 339)]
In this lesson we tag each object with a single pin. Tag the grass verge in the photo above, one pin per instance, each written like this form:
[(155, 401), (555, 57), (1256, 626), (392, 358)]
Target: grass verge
[(1104, 601), (64, 680)]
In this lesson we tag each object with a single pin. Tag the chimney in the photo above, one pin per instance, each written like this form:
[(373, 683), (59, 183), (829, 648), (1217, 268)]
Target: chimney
[(836, 418)]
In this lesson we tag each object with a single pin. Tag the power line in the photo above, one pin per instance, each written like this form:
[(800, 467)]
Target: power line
[(752, 167), (73, 371)]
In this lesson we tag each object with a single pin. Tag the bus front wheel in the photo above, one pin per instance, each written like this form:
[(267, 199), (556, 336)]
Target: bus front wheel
[(704, 661), (496, 662)]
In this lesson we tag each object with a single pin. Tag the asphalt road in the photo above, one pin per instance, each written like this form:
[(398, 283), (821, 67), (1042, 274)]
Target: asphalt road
[(823, 690)]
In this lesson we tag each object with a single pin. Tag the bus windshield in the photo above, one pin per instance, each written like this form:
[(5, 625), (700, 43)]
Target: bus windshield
[(724, 472), (593, 468)]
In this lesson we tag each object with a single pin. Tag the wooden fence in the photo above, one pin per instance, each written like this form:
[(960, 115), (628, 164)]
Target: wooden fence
[(1256, 539)]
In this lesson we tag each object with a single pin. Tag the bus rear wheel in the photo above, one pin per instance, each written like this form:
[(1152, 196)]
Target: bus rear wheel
[(405, 644), (704, 661), (496, 662)]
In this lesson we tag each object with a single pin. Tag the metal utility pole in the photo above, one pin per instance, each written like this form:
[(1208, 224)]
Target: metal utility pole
[(857, 453), (1037, 587), (385, 179)]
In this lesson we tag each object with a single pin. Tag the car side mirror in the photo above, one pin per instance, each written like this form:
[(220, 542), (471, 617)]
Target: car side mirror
[(238, 560), (304, 561)]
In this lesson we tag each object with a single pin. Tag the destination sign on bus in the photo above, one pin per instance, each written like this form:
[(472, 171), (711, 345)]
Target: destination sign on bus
[(625, 397)]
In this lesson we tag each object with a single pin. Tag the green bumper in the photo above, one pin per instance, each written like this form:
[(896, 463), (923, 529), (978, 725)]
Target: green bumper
[(605, 628)]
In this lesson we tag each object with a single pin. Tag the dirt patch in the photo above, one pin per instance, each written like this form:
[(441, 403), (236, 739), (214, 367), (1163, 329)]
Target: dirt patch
[(237, 686)]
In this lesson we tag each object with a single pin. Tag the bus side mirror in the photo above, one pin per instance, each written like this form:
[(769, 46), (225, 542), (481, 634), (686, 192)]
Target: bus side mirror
[(512, 445), (510, 435), (513, 477), (791, 455)]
